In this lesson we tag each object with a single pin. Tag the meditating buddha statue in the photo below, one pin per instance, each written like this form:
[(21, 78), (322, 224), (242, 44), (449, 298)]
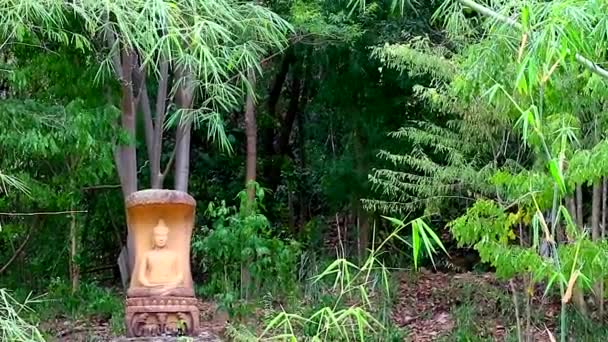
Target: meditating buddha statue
[(160, 298), (160, 273)]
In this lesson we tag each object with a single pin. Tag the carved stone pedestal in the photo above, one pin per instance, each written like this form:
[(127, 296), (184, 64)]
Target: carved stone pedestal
[(162, 316)]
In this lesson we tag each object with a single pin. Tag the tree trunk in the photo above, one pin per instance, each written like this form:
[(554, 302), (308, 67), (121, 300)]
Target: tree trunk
[(596, 217), (363, 219), (596, 205), (157, 176), (251, 131), (303, 193), (363, 239), (277, 86), (290, 115), (579, 206), (604, 193), (282, 146), (185, 99), (74, 267), (126, 155)]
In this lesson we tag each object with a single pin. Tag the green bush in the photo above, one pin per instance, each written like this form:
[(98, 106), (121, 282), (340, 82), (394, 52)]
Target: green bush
[(242, 244), (90, 300)]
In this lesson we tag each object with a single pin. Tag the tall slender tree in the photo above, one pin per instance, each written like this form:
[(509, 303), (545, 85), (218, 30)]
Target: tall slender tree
[(194, 54)]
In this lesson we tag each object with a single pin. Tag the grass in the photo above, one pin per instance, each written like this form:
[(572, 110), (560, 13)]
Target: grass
[(91, 304)]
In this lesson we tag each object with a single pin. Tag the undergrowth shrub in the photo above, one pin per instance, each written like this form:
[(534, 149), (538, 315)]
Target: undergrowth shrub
[(91, 300), (354, 301), (242, 241)]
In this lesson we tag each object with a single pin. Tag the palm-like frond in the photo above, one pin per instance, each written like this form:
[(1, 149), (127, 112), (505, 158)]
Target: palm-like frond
[(7, 182)]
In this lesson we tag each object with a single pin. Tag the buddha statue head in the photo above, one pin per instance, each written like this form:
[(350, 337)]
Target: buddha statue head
[(161, 234)]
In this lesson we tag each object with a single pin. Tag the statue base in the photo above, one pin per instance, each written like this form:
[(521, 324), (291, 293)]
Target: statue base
[(162, 316)]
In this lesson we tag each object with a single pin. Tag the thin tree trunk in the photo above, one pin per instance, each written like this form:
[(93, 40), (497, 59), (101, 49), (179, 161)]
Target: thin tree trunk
[(363, 233), (126, 155), (304, 210), (596, 217), (182, 155), (596, 206), (604, 202), (74, 267), (579, 206), (250, 174), (282, 146), (157, 176), (279, 81), (251, 131), (274, 94), (363, 220), (290, 116)]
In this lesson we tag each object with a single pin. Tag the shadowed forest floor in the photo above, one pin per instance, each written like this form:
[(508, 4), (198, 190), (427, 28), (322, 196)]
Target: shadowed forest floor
[(441, 306)]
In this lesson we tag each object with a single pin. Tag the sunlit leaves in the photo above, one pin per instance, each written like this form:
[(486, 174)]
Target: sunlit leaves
[(424, 239), (8, 182), (213, 42), (13, 327)]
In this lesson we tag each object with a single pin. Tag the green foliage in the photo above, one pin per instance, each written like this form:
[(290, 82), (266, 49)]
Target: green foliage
[(214, 42), (423, 239), (244, 238), (92, 300), (12, 326), (356, 300), (50, 147), (348, 314)]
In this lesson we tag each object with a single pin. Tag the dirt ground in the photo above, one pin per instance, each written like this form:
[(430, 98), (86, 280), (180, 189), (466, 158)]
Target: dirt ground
[(426, 305)]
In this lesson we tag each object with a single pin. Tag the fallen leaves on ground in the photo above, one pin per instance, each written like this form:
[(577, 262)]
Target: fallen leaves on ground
[(426, 303)]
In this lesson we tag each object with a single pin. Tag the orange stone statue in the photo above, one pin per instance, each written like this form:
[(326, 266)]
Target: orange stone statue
[(160, 298), (161, 270)]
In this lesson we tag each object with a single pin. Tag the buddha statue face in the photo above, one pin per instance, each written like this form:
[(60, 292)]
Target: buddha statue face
[(161, 233)]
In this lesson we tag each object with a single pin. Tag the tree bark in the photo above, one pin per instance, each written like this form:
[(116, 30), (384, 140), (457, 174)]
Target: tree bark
[(303, 193), (596, 214), (596, 206), (157, 176), (281, 149), (604, 213), (363, 219), (127, 167), (185, 99), (279, 81), (74, 267), (126, 155), (251, 131), (290, 115), (579, 206)]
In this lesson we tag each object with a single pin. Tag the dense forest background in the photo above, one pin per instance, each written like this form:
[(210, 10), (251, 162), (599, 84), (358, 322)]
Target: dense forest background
[(363, 170)]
